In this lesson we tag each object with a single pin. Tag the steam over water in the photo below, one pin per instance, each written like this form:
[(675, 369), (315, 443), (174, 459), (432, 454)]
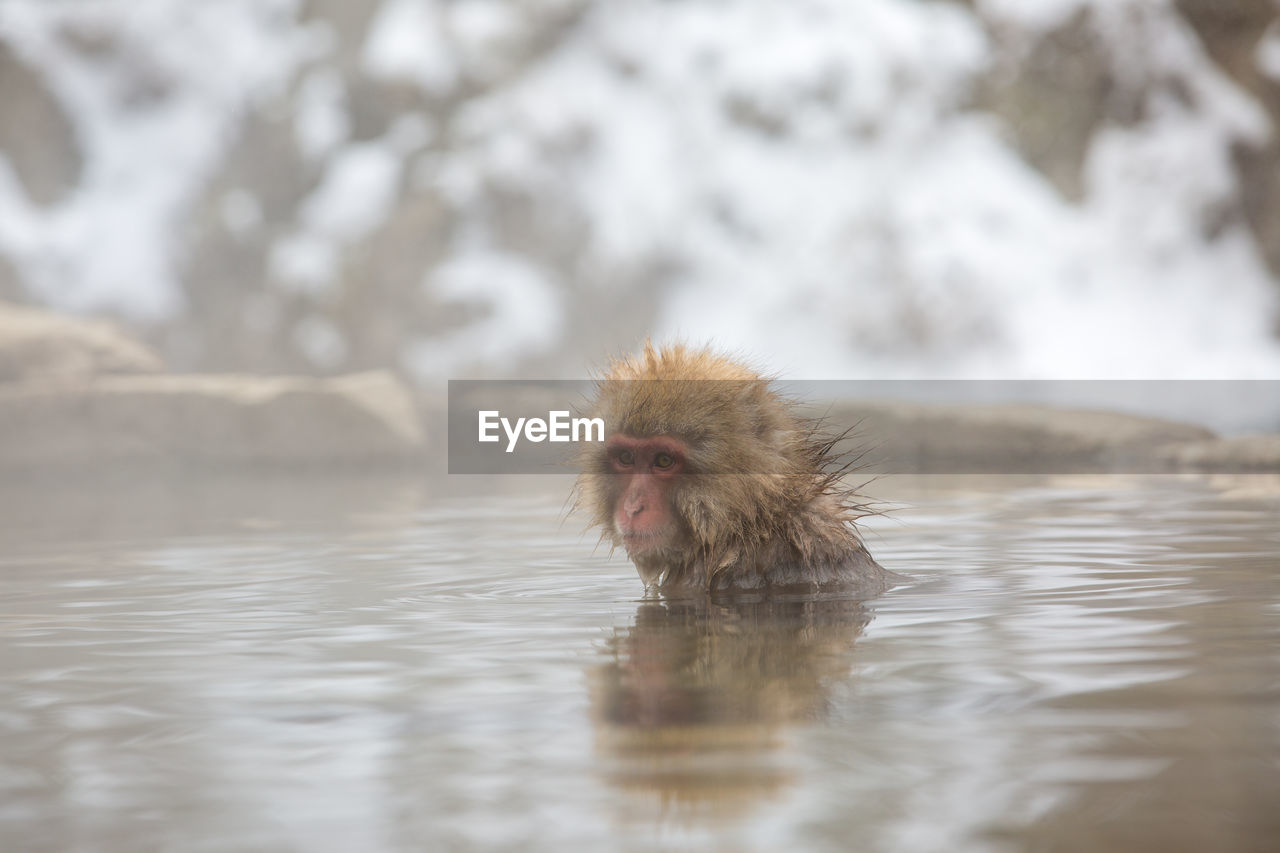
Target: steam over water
[(1078, 665)]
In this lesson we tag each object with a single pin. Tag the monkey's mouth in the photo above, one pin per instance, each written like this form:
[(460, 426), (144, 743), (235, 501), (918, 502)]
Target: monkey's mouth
[(637, 542)]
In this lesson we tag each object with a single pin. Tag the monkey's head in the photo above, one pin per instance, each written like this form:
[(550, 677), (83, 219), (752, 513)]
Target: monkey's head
[(703, 459)]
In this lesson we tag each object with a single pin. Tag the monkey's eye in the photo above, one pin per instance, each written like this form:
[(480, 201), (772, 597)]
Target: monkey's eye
[(626, 458), (663, 461)]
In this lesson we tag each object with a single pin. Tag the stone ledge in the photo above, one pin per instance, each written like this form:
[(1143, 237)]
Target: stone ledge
[(233, 420), (904, 437), (38, 345), (1242, 455)]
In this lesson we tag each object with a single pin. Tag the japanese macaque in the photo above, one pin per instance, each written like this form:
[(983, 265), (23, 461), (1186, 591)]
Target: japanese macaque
[(712, 483)]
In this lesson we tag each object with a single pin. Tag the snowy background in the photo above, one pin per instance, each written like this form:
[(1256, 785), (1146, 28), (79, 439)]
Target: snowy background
[(882, 188)]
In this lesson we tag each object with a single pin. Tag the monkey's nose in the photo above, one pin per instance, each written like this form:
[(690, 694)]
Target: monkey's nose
[(634, 508)]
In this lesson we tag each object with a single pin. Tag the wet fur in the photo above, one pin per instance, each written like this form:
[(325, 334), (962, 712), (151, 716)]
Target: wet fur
[(763, 504)]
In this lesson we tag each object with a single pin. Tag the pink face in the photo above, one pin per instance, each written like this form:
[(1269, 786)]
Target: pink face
[(647, 469)]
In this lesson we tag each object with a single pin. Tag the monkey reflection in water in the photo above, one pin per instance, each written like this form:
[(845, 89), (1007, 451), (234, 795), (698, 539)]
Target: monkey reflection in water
[(717, 490), (695, 699)]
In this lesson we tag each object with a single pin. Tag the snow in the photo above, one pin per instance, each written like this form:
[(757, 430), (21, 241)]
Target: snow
[(484, 33), (1043, 15), (810, 171), (241, 212), (825, 198), (152, 127), (1268, 52), (320, 341), (524, 313), (356, 194), (322, 122), (405, 42)]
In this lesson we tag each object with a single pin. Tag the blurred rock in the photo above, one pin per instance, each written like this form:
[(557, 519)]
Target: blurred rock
[(214, 420), (905, 438), (1260, 197), (35, 136), (1053, 95), (1245, 454), (39, 346), (11, 288), (1232, 34), (81, 393), (1231, 31)]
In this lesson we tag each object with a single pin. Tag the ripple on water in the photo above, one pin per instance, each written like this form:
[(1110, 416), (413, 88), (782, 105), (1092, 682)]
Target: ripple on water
[(483, 674)]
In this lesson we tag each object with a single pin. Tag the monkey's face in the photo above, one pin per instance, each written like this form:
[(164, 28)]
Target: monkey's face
[(646, 476)]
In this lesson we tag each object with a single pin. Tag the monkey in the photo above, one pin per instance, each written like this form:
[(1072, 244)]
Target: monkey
[(712, 483)]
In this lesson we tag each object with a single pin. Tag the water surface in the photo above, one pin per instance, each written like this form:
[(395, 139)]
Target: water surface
[(1078, 665)]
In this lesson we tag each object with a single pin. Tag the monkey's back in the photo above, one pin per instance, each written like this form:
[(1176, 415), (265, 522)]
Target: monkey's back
[(811, 554)]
